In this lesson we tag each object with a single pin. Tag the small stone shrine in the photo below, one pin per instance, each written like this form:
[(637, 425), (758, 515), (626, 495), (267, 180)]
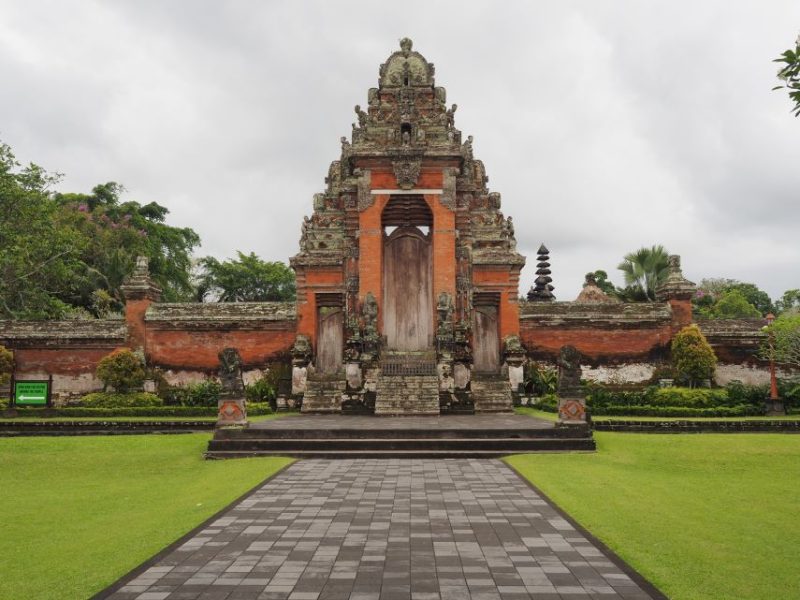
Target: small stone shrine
[(542, 291), (232, 404)]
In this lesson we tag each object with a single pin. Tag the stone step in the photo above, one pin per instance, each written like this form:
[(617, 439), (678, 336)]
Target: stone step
[(502, 444), (323, 395), (491, 394), (574, 445)]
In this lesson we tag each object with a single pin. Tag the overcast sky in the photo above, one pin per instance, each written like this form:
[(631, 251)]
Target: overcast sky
[(605, 126)]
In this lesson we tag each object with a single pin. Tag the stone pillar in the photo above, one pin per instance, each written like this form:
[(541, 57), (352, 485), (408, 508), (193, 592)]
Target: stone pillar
[(140, 292)]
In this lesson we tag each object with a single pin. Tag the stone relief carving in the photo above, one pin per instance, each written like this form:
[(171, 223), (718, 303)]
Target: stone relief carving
[(407, 172)]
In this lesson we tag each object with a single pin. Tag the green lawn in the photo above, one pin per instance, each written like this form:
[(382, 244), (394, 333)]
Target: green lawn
[(81, 512), (701, 516)]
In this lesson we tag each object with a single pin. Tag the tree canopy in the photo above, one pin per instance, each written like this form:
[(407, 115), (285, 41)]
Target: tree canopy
[(65, 255), (643, 269), (244, 279), (783, 340)]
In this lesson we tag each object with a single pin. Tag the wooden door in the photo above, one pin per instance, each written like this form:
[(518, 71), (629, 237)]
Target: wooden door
[(330, 339), (408, 290), (486, 340)]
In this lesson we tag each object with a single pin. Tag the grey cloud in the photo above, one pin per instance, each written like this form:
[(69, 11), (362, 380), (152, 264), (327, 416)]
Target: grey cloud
[(604, 126)]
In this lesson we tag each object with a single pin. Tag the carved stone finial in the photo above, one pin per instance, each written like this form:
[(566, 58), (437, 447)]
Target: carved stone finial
[(139, 285), (405, 45), (675, 285)]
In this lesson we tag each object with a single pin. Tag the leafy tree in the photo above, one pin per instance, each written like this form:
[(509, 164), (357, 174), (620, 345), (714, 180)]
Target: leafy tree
[(644, 269), (734, 305), (789, 302), (67, 254), (783, 341), (6, 364), (601, 279), (114, 233), (245, 279), (692, 356), (37, 257), (790, 75), (123, 369), (712, 291)]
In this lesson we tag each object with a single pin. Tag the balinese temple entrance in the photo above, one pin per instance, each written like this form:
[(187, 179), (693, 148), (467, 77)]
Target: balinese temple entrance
[(407, 275)]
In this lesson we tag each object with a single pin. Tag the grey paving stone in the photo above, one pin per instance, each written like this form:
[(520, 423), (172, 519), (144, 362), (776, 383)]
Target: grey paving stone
[(387, 529)]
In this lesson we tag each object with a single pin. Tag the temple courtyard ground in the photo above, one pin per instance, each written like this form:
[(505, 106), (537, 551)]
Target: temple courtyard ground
[(700, 516)]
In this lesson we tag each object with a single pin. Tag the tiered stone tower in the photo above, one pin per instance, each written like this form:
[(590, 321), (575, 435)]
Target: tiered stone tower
[(407, 267)]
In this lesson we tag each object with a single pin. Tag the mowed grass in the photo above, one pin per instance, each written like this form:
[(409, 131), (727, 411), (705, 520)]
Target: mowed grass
[(700, 516), (81, 512)]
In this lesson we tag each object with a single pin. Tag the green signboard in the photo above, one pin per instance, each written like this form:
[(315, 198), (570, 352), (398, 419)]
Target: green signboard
[(30, 393)]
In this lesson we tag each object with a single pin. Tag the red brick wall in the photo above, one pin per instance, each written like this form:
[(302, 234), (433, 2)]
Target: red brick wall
[(186, 349), (599, 345), (59, 361)]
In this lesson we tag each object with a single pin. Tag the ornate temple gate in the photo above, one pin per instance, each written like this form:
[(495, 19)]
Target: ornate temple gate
[(415, 245), (407, 275)]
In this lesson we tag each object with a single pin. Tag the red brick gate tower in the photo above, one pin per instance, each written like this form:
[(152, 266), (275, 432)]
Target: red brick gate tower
[(407, 268)]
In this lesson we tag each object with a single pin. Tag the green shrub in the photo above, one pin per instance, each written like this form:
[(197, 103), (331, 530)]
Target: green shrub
[(116, 400), (6, 364), (547, 403), (690, 397), (253, 410), (540, 379), (740, 410), (260, 390), (692, 356), (123, 370), (203, 393)]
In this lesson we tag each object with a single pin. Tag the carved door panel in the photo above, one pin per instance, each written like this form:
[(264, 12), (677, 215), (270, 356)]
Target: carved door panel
[(330, 339), (408, 290), (486, 352)]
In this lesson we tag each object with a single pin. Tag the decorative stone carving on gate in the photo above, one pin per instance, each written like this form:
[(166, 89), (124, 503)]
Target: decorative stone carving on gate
[(407, 172)]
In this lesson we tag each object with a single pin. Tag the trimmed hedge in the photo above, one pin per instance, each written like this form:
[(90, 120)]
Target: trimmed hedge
[(740, 410), (116, 400), (253, 409)]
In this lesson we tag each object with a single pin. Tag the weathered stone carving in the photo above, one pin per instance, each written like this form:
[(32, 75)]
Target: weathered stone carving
[(571, 402), (675, 285), (301, 350), (232, 409), (407, 172), (362, 116)]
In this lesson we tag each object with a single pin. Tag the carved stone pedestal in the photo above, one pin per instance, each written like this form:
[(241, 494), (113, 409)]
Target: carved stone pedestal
[(232, 412), (571, 410)]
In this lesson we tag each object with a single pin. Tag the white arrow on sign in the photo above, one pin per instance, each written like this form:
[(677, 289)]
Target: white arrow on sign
[(24, 398)]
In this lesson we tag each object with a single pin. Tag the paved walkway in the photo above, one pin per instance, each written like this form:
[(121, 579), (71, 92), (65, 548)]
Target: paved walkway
[(387, 529)]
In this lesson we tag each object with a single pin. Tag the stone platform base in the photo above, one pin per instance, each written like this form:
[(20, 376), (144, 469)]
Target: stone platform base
[(329, 436)]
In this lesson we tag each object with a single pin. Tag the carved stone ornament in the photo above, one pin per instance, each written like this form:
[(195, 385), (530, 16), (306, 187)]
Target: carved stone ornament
[(407, 173)]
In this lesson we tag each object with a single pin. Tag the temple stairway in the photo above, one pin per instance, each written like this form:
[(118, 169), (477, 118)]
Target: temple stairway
[(408, 384), (491, 393), (323, 395)]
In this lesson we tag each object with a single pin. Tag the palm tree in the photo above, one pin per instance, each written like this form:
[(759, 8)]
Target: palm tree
[(644, 270)]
